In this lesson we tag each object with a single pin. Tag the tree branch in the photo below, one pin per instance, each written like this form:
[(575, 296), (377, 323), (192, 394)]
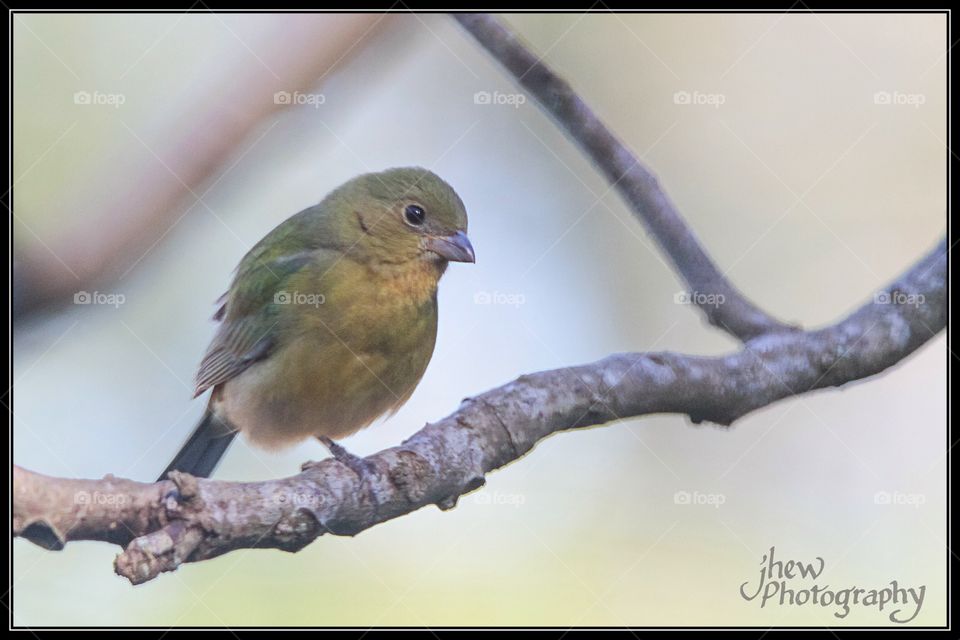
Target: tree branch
[(186, 519), (635, 183)]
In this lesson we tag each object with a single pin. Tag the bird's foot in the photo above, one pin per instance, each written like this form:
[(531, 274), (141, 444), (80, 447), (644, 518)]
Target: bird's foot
[(309, 464), (360, 466)]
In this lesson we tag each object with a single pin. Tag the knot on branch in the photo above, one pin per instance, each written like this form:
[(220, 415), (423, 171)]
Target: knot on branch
[(148, 556)]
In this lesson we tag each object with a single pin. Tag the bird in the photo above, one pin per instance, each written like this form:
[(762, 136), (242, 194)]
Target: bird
[(331, 319)]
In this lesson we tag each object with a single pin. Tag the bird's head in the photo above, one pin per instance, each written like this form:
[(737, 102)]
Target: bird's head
[(401, 215)]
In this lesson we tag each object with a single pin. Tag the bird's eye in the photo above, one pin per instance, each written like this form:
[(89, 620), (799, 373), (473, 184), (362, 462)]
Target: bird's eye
[(414, 214)]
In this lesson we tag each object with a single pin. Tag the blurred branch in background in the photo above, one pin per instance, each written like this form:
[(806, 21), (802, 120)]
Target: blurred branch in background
[(186, 519), (137, 204)]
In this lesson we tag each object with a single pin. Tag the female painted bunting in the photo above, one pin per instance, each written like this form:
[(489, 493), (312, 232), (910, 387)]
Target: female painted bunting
[(331, 318)]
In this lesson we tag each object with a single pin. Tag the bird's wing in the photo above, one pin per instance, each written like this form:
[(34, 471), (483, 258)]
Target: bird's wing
[(249, 317)]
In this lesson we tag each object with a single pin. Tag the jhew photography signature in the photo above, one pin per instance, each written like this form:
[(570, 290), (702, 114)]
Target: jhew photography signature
[(775, 587)]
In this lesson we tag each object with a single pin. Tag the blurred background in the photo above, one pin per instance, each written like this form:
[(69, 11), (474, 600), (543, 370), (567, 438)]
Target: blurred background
[(806, 151)]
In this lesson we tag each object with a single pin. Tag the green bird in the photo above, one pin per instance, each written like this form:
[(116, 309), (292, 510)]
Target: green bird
[(331, 319)]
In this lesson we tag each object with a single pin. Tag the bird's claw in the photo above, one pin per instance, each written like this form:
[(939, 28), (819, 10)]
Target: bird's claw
[(360, 466)]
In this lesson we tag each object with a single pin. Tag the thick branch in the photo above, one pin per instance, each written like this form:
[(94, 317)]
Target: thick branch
[(185, 520), (635, 183)]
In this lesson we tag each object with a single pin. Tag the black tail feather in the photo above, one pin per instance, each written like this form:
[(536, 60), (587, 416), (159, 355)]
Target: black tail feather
[(202, 451)]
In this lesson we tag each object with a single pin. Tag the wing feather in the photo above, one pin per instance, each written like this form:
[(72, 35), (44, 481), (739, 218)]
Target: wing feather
[(248, 316)]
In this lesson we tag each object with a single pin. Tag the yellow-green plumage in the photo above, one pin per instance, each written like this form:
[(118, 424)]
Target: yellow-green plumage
[(331, 319)]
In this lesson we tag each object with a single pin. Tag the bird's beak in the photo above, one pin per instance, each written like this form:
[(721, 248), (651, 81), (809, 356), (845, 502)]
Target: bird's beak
[(455, 248)]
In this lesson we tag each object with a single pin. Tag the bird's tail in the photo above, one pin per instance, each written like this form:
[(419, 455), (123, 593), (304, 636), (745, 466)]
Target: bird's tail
[(202, 451)]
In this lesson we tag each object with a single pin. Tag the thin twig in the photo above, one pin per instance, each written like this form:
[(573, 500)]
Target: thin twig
[(635, 183)]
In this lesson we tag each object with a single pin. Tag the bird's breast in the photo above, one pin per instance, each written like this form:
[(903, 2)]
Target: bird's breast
[(344, 362)]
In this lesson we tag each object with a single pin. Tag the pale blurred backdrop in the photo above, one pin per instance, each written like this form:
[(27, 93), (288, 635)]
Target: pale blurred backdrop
[(807, 188)]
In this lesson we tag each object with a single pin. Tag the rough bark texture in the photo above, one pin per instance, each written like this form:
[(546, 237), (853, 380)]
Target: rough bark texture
[(187, 519)]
